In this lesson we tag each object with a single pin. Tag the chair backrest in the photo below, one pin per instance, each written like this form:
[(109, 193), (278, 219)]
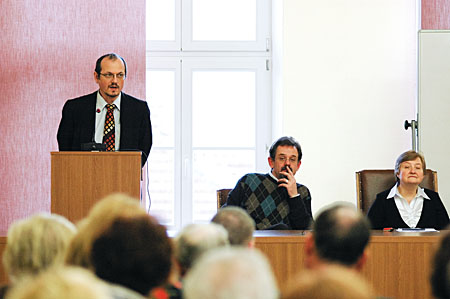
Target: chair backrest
[(222, 195), (371, 182)]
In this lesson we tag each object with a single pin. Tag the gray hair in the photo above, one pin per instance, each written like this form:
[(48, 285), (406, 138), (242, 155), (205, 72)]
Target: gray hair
[(238, 223), (36, 244), (233, 272), (196, 239)]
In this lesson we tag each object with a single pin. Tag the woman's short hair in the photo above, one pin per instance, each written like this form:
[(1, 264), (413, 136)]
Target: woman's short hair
[(36, 244), (98, 220), (409, 156), (134, 252)]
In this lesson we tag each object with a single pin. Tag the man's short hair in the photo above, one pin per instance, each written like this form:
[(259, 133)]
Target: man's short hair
[(440, 273), (112, 56), (195, 239), (233, 272), (134, 252), (238, 223), (283, 141), (341, 233)]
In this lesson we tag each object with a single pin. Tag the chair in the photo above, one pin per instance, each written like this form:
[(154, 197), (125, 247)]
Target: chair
[(371, 182), (222, 195)]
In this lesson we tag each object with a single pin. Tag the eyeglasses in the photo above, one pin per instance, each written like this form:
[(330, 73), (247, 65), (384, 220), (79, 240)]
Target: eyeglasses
[(119, 76)]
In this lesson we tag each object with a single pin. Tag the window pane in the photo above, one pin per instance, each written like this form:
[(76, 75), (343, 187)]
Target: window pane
[(224, 20), (223, 108), (161, 99), (160, 20), (213, 170), (162, 184)]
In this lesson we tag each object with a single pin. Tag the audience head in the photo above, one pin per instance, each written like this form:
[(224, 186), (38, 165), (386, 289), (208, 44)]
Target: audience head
[(408, 156), (194, 240), (440, 273), (233, 272), (239, 225), (339, 235), (36, 244), (98, 220), (334, 282), (65, 282), (133, 252)]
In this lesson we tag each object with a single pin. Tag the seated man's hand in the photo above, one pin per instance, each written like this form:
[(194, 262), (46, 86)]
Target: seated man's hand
[(288, 182)]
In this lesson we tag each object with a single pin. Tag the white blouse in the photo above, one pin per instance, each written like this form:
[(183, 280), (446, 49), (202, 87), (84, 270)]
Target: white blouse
[(410, 212)]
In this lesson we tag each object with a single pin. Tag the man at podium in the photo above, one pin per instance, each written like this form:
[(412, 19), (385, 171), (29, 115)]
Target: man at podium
[(108, 116)]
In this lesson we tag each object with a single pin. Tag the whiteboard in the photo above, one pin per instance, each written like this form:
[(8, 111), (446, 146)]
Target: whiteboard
[(434, 106)]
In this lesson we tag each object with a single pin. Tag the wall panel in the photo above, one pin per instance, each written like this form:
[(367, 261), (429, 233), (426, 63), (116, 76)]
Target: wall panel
[(436, 14), (48, 55)]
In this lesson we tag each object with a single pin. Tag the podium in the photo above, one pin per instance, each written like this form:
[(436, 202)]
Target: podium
[(80, 179)]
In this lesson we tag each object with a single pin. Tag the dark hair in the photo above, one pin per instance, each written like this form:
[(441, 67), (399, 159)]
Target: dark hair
[(440, 276), (339, 239), (112, 56), (133, 252), (286, 140)]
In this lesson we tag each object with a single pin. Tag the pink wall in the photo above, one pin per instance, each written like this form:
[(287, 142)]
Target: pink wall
[(436, 14), (48, 53)]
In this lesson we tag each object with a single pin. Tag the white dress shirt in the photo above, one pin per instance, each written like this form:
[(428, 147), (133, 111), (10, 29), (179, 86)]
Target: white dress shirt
[(410, 212), (100, 116)]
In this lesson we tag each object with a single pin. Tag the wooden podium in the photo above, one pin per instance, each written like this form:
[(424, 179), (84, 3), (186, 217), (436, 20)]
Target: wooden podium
[(80, 179)]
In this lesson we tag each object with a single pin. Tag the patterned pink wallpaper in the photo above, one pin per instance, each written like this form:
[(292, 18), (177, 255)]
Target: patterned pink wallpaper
[(436, 14), (48, 53)]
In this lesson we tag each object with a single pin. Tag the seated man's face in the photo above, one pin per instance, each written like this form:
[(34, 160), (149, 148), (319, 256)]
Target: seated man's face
[(285, 156)]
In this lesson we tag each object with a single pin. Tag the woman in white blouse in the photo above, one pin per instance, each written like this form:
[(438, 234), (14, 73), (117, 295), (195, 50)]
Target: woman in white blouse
[(406, 205)]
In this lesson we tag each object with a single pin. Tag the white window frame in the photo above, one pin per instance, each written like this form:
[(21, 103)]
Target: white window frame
[(183, 56)]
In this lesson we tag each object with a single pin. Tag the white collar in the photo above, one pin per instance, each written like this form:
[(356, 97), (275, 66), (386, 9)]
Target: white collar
[(394, 192), (101, 103)]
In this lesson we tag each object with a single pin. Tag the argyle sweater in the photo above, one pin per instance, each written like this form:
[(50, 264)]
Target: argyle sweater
[(269, 204)]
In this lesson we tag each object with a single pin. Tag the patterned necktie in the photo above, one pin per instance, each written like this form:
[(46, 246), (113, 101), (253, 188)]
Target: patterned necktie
[(109, 136)]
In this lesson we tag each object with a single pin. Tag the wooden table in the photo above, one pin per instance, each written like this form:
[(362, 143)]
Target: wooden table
[(398, 266)]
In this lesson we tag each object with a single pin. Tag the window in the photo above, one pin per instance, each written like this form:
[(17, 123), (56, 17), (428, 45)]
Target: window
[(209, 92)]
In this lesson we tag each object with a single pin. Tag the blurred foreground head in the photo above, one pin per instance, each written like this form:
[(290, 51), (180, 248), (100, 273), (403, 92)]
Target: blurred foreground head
[(231, 272), (339, 235), (100, 217), (36, 244), (64, 282), (333, 282), (196, 239), (134, 252)]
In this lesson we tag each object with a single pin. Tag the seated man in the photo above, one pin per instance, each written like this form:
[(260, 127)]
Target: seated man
[(275, 200)]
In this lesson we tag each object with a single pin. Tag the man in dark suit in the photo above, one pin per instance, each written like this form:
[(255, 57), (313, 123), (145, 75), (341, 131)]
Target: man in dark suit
[(85, 119)]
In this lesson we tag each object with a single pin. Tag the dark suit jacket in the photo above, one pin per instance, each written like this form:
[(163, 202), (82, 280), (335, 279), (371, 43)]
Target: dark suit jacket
[(384, 213), (77, 124)]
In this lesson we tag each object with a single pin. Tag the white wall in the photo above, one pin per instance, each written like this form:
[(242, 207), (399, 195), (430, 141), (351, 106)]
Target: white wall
[(349, 83)]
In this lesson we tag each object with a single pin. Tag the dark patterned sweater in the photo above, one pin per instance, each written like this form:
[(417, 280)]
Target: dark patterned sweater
[(270, 205)]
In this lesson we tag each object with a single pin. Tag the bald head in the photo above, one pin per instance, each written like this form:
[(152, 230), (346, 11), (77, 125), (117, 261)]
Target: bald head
[(341, 234)]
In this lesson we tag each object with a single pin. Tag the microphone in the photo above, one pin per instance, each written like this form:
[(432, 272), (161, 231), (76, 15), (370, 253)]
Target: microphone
[(93, 146)]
